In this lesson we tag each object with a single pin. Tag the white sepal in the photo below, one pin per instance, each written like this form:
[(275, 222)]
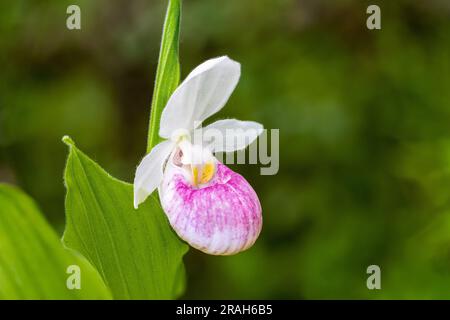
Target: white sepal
[(203, 93)]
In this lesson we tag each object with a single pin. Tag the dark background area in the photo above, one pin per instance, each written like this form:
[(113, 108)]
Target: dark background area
[(364, 119)]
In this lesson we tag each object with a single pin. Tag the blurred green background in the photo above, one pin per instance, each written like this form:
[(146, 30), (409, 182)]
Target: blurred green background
[(364, 119)]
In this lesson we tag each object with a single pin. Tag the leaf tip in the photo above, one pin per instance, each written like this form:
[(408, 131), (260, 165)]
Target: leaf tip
[(68, 141)]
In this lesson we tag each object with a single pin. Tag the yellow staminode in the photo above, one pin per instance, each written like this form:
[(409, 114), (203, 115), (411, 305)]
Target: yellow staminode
[(203, 174)]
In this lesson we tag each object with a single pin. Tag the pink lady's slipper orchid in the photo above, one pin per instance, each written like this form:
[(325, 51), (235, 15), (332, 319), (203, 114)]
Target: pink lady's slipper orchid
[(208, 205)]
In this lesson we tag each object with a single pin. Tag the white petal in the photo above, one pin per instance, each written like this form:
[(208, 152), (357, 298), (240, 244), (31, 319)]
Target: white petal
[(149, 173), (203, 93), (230, 134)]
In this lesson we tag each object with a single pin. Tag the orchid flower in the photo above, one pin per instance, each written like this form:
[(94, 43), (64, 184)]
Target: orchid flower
[(207, 204)]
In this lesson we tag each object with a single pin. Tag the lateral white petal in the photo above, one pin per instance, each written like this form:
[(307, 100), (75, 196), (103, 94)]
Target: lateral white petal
[(231, 135), (149, 173), (203, 93)]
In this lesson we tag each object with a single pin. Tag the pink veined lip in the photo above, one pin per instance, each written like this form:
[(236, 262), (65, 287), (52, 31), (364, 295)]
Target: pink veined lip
[(222, 218)]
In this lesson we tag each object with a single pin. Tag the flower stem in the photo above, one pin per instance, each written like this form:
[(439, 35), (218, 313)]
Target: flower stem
[(168, 70)]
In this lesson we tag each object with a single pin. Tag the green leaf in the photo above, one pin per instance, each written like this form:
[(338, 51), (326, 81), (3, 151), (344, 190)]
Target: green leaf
[(33, 262), (135, 251), (168, 71)]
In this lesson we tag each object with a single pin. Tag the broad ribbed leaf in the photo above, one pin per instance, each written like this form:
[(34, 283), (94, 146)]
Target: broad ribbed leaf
[(135, 251), (33, 261), (168, 71)]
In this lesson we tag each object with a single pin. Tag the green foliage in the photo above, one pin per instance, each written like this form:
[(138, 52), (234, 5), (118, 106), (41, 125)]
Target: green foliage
[(135, 251), (33, 262), (168, 72)]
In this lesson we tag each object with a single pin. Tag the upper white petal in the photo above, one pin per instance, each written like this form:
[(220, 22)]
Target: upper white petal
[(230, 134), (203, 93), (149, 173)]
